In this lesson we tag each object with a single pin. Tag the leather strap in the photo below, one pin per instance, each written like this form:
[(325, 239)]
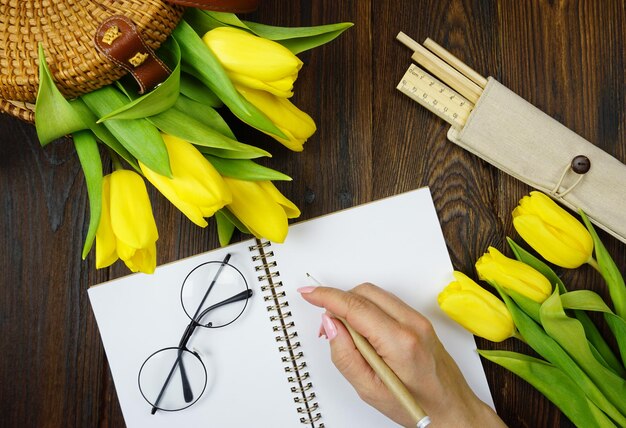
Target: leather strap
[(236, 6), (117, 38)]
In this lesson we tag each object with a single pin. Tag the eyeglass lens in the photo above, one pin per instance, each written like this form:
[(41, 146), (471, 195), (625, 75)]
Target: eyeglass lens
[(182, 371), (213, 295), (220, 306)]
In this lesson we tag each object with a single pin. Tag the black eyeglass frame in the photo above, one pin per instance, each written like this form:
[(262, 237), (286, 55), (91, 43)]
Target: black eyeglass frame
[(191, 327)]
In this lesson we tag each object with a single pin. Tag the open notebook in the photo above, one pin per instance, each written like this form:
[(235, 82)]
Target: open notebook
[(395, 243)]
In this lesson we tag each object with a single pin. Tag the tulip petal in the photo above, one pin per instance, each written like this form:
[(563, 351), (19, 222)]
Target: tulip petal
[(513, 275), (131, 212), (293, 122), (291, 210), (257, 210), (543, 239), (561, 235), (281, 88), (138, 260), (106, 242), (476, 309), (166, 188), (245, 53)]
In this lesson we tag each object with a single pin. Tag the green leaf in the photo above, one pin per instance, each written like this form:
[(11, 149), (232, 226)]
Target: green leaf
[(102, 133), (193, 88), (205, 114), (54, 116), (225, 228), (225, 19), (587, 300), (198, 59), (89, 156), (180, 125), (207, 68), (608, 269), (234, 220), (591, 331), (159, 99), (227, 154), (245, 169), (303, 44), (554, 384), (296, 39), (524, 256), (549, 349), (138, 136), (529, 306), (569, 333), (201, 22)]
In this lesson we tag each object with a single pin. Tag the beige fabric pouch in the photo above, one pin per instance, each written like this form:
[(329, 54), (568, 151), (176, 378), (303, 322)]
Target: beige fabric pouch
[(521, 140)]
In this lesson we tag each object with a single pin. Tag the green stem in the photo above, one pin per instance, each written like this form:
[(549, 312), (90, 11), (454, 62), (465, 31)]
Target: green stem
[(115, 159), (519, 337), (594, 264)]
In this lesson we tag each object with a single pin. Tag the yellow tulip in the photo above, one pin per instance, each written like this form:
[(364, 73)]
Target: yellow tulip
[(552, 231), (513, 275), (476, 309), (127, 229), (254, 62), (293, 122), (261, 208), (196, 188)]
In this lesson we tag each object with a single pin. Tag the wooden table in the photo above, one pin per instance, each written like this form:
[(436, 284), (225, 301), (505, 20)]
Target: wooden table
[(566, 57)]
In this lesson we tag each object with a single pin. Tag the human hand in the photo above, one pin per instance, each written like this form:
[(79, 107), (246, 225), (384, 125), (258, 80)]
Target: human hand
[(408, 344)]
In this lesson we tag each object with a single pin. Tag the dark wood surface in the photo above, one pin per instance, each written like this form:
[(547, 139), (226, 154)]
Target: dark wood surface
[(566, 57)]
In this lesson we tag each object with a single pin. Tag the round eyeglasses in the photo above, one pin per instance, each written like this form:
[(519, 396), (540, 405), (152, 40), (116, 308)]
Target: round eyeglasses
[(213, 295)]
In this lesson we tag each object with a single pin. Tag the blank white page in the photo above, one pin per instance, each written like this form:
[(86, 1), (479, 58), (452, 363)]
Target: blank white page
[(395, 243)]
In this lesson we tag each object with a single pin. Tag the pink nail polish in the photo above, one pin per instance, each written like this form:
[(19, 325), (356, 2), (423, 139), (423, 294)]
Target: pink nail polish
[(321, 332), (329, 326), (307, 289)]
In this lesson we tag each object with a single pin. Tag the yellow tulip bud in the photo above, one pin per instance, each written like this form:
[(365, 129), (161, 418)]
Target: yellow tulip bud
[(127, 229), (261, 208), (293, 122), (196, 188), (513, 275), (476, 309), (552, 231), (254, 62)]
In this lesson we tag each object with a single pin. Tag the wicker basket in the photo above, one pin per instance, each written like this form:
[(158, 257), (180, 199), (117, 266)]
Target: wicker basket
[(66, 30)]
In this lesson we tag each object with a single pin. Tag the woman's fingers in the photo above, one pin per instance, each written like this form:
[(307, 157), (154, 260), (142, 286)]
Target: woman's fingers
[(349, 361), (389, 303), (361, 313)]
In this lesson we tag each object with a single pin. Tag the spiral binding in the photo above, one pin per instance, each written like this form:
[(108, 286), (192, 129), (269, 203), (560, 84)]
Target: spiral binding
[(286, 329)]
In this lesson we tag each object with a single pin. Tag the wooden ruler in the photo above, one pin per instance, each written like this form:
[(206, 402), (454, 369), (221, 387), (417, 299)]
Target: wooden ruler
[(435, 96), (453, 88)]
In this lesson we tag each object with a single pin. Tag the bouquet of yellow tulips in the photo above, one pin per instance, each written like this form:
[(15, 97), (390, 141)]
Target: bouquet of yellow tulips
[(175, 138), (579, 371)]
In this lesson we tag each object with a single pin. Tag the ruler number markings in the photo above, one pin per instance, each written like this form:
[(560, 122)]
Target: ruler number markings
[(435, 96)]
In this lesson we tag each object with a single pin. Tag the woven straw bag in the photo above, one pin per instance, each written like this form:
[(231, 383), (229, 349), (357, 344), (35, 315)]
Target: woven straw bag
[(66, 29)]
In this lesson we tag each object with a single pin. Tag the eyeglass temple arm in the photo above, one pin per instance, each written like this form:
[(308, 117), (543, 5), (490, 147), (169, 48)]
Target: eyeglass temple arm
[(246, 294), (187, 393)]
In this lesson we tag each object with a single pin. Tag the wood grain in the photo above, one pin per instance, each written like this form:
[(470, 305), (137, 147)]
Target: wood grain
[(566, 57)]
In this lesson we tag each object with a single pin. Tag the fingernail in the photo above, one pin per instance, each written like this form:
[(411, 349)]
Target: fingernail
[(321, 331), (307, 289), (329, 327)]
